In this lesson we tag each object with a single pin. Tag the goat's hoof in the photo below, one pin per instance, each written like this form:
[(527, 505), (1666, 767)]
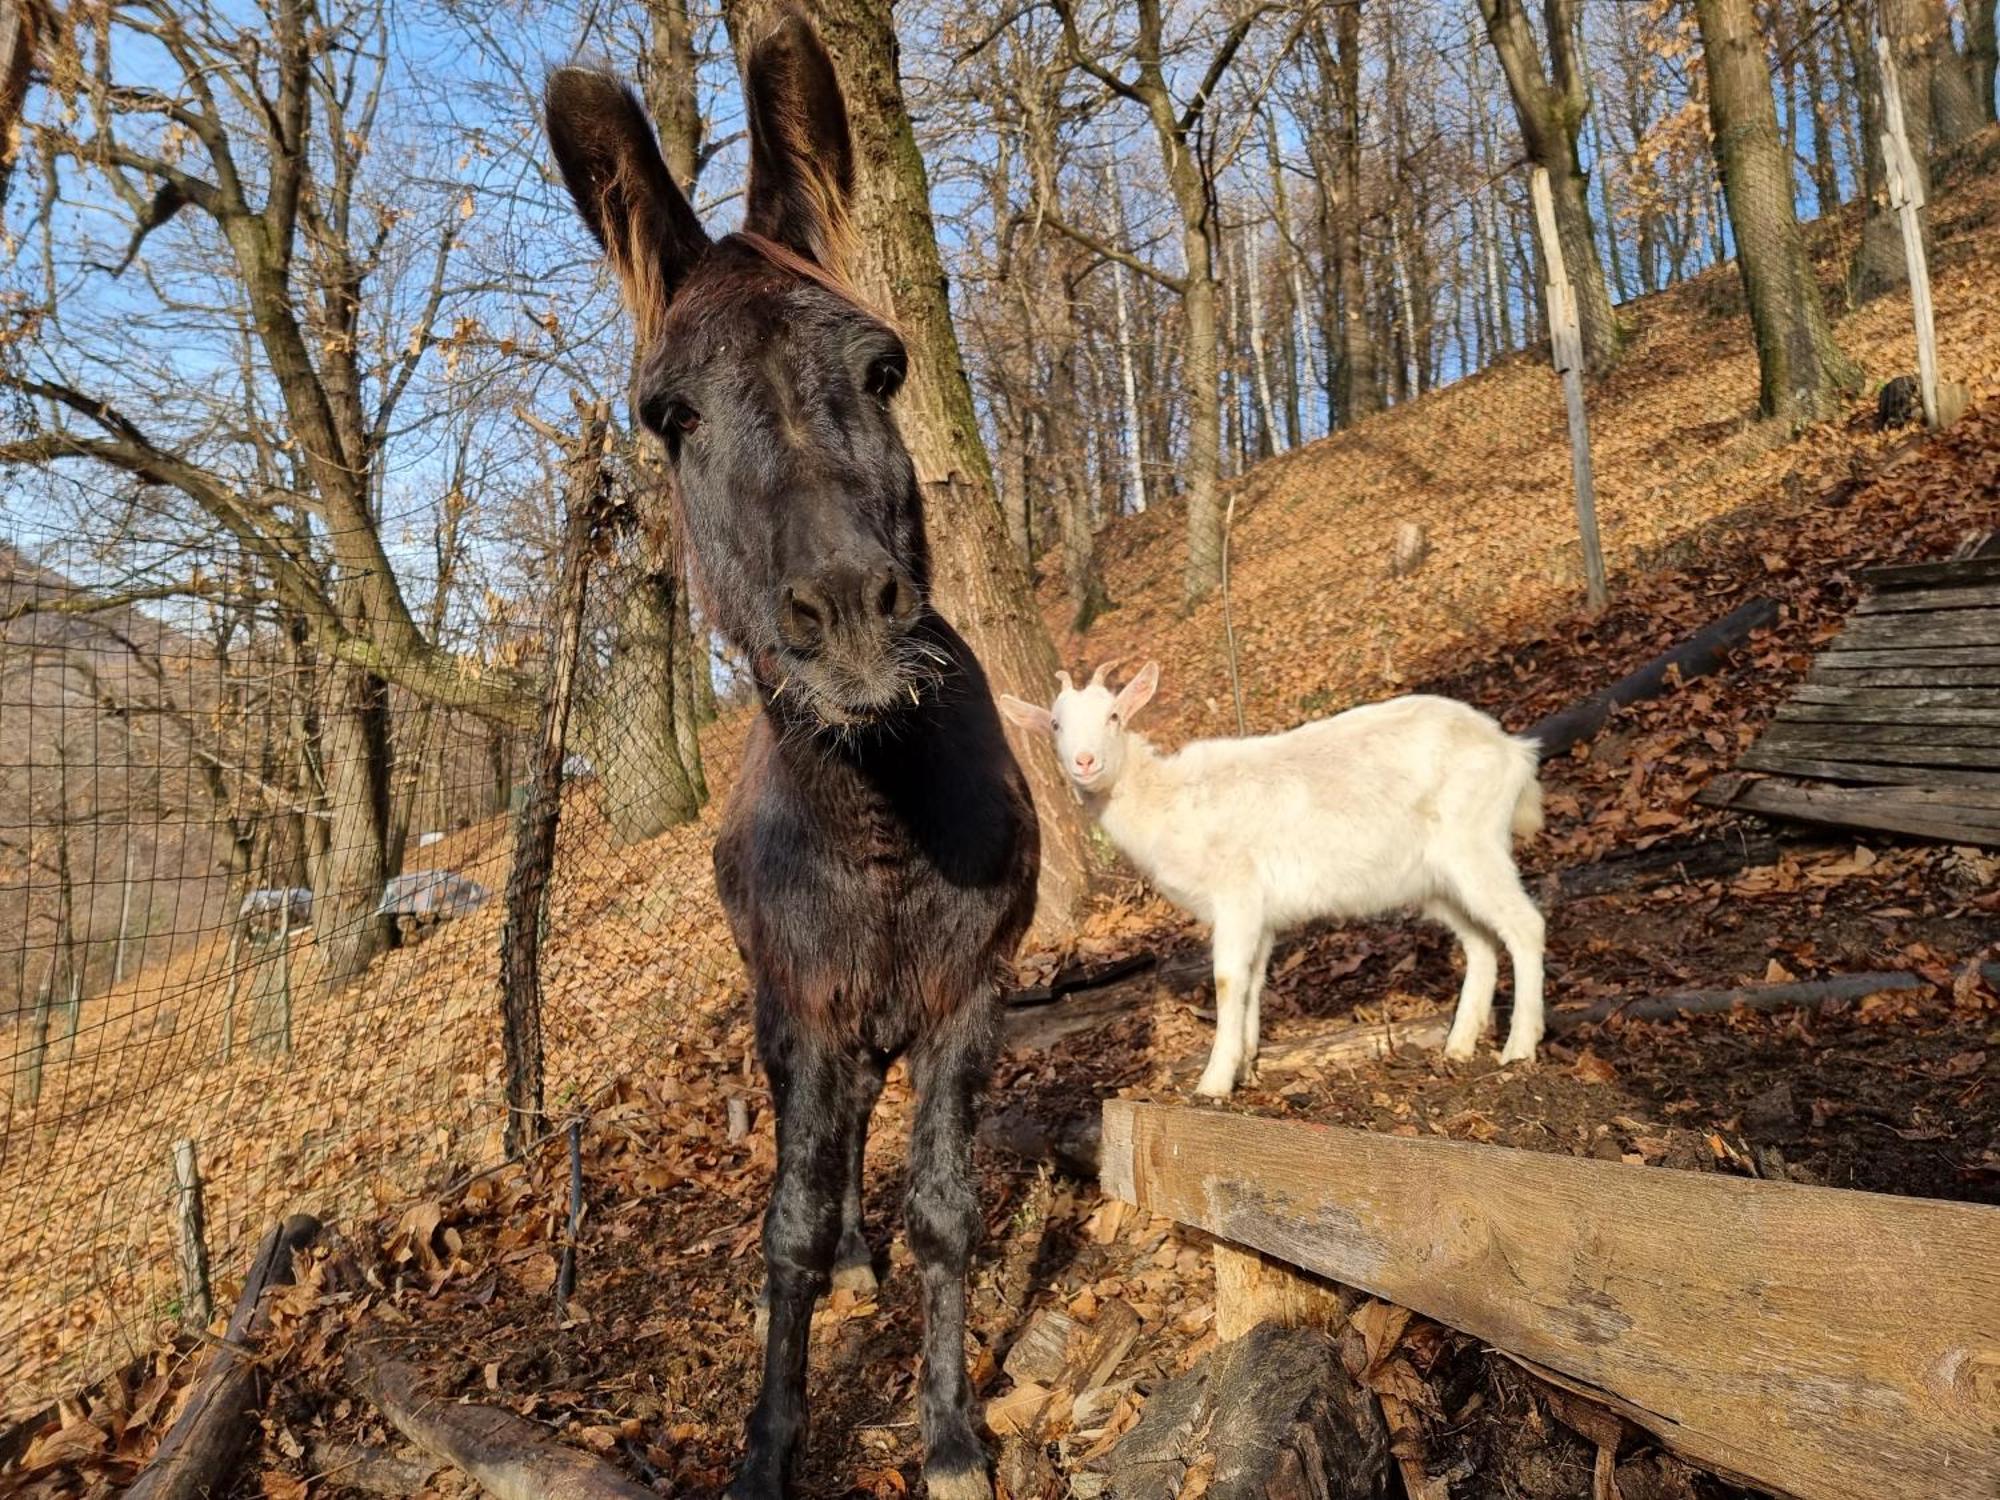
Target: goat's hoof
[(1247, 1076), (856, 1276), (1216, 1085), (1460, 1051), (1517, 1053)]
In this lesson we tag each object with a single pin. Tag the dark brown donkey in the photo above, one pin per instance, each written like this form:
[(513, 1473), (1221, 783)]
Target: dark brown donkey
[(878, 856)]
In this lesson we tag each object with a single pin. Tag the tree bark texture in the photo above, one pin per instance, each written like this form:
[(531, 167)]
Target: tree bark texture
[(1982, 52), (1802, 373), (17, 55), (1551, 104), (638, 728), (981, 582), (353, 865)]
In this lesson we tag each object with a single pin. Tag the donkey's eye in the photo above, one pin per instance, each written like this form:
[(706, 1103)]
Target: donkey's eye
[(671, 419), (886, 375)]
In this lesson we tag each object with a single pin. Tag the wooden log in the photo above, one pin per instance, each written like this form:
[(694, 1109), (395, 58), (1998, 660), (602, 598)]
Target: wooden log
[(1697, 656), (1699, 861), (1726, 1311), (1252, 1288), (1976, 569), (1945, 596), (1792, 763), (1362, 1042), (1072, 978), (199, 1454), (1797, 993), (508, 1456), (1274, 1415)]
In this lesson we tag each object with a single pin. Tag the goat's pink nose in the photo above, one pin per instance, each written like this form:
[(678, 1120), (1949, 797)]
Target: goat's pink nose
[(1085, 761)]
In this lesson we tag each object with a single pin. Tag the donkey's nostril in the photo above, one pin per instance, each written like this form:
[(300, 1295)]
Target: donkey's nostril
[(804, 617), (894, 595)]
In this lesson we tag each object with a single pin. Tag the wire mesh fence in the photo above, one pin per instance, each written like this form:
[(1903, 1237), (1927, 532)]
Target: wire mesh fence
[(256, 890)]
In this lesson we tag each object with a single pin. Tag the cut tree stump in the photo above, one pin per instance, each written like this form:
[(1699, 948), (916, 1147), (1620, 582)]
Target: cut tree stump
[(509, 1456), (1273, 1415), (1697, 656), (1252, 1289), (199, 1454)]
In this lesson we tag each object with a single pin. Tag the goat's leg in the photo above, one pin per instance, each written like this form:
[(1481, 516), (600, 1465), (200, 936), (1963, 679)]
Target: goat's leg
[(854, 1262), (814, 1089), (948, 1068), (1482, 973), (1253, 1009), (1490, 891), (1237, 935)]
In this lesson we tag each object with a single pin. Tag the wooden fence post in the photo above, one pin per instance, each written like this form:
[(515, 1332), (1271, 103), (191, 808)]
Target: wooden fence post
[(535, 837), (1906, 197), (1566, 342), (197, 1304)]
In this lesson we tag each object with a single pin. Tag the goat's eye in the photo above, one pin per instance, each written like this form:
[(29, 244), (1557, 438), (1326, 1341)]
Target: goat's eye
[(886, 375), (1114, 718)]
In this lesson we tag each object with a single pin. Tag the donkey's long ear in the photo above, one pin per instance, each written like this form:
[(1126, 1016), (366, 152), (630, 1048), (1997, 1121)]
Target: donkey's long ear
[(611, 164), (801, 159)]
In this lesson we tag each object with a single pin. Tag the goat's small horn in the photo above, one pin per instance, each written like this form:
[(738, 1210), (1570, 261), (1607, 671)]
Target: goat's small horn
[(1097, 677), (1063, 678)]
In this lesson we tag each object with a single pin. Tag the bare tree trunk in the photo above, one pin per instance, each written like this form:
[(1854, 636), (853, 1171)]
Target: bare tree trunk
[(981, 582), (124, 913), (1956, 111), (1982, 52), (1879, 262), (1550, 106), (1802, 371), (1267, 437), (347, 884), (635, 730), (1358, 388), (1825, 168), (17, 55)]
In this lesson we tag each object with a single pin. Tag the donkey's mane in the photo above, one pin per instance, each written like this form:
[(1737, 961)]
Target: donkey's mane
[(788, 260)]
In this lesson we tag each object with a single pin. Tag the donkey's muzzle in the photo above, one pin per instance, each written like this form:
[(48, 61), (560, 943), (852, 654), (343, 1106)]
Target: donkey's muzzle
[(845, 609)]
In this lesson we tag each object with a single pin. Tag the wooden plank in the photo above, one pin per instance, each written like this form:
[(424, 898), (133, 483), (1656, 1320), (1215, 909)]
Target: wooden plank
[(1899, 601), (1898, 697), (1840, 658), (1946, 741), (1919, 677), (1731, 1313), (1954, 627), (1759, 758), (1859, 807), (1927, 575), (1877, 713)]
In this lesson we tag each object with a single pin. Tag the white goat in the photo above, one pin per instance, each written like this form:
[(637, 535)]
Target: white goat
[(1412, 803)]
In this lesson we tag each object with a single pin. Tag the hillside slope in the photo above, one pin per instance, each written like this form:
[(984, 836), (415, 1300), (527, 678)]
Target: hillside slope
[(1484, 466)]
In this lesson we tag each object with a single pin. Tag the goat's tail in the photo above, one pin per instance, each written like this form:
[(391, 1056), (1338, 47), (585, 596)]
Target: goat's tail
[(1527, 817)]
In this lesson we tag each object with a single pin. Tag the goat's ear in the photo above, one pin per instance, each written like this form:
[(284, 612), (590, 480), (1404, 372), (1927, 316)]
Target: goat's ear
[(1137, 693), (611, 164), (1026, 715), (801, 158)]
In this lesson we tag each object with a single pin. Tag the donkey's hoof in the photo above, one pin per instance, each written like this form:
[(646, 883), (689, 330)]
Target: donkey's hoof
[(760, 1327), (856, 1276), (958, 1484)]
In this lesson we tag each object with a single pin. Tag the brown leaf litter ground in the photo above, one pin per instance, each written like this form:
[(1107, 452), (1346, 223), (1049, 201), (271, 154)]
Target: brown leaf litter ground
[(652, 1364)]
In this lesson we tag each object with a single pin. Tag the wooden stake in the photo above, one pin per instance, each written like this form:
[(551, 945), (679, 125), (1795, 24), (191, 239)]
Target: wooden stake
[(566, 1272), (1566, 340), (197, 1304), (1906, 197)]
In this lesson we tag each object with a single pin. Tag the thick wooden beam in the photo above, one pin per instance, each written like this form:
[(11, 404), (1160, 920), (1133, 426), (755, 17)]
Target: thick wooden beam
[(1980, 568), (1824, 1343)]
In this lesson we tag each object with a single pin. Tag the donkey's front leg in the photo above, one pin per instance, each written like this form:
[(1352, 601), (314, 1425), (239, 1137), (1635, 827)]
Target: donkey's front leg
[(854, 1262), (949, 1068), (814, 1088)]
